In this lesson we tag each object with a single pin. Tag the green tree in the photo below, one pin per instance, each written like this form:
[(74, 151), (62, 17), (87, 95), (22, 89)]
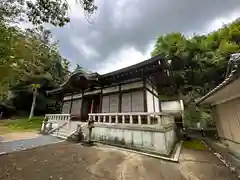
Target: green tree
[(199, 63), (41, 11), (29, 57)]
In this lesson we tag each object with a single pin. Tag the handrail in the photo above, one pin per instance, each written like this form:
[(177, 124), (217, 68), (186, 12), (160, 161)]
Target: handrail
[(74, 131), (134, 118), (53, 130), (57, 115)]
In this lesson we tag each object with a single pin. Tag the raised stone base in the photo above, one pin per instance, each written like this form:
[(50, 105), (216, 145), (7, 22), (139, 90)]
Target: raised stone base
[(148, 139)]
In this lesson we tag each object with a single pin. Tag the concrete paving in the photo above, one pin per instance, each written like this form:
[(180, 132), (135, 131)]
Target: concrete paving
[(23, 144)]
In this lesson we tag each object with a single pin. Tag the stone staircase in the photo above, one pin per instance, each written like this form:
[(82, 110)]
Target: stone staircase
[(61, 133), (66, 130)]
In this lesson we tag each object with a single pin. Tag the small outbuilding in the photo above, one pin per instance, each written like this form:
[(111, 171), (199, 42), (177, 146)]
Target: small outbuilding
[(224, 101)]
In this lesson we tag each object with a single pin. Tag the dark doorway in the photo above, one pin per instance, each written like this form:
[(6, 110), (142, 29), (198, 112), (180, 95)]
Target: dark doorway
[(87, 105)]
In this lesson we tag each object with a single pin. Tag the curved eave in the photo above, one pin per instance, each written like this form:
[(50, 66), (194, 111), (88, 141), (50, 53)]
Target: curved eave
[(67, 86)]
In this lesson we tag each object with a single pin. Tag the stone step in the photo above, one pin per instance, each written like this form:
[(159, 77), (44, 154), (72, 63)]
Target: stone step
[(65, 131), (61, 132), (60, 135)]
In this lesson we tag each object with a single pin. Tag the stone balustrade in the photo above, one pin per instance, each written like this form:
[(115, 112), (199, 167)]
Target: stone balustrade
[(57, 117), (56, 120), (134, 118), (147, 131)]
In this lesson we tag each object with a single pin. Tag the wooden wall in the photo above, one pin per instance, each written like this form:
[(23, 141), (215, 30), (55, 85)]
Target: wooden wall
[(66, 107), (139, 96), (124, 98), (227, 117)]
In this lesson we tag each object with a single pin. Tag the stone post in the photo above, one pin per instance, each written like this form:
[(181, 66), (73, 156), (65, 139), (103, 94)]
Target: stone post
[(44, 126), (50, 127), (79, 133), (90, 127)]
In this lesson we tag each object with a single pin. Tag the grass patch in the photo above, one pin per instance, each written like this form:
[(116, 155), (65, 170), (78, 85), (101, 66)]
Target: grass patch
[(22, 124), (194, 144)]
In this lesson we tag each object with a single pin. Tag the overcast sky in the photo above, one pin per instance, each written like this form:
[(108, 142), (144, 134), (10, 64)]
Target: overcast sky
[(124, 31)]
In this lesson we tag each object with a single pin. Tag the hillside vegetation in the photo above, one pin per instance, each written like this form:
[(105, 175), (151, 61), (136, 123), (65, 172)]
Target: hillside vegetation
[(201, 63)]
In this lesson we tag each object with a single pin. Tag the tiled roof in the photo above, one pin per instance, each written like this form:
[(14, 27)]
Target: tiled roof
[(233, 73)]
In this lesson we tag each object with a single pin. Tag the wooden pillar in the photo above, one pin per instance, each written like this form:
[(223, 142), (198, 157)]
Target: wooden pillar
[(81, 110), (153, 96), (61, 108), (159, 102), (71, 104), (100, 103), (120, 100), (92, 105), (144, 95)]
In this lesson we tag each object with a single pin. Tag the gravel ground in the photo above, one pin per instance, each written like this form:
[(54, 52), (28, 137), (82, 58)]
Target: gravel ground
[(76, 162)]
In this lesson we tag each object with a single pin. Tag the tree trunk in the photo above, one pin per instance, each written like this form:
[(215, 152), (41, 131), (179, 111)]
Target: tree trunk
[(33, 104)]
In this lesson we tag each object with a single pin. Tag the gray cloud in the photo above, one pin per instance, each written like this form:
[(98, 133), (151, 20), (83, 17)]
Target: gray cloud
[(135, 23)]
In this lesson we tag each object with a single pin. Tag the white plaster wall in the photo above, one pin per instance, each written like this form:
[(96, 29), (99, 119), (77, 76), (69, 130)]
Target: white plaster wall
[(67, 98), (110, 89), (150, 104), (77, 96), (158, 141), (171, 106), (132, 85), (156, 104)]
